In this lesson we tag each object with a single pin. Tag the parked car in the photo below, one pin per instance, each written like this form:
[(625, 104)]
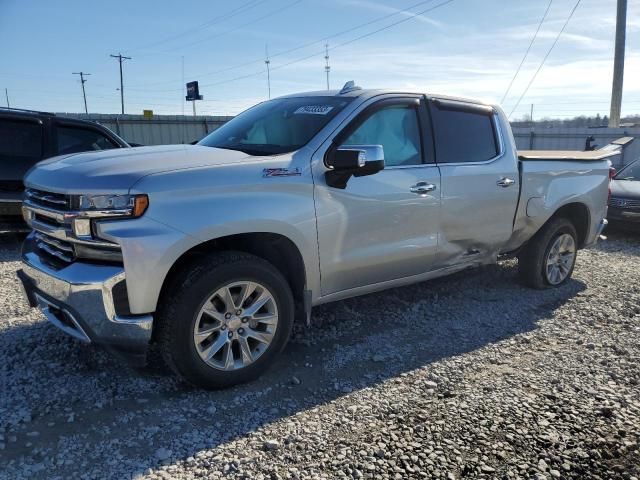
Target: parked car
[(210, 251), (26, 137), (624, 203)]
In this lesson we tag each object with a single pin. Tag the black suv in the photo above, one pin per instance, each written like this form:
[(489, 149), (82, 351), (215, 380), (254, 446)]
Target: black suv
[(26, 137)]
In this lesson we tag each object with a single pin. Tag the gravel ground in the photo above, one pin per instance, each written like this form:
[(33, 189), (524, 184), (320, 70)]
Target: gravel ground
[(468, 376)]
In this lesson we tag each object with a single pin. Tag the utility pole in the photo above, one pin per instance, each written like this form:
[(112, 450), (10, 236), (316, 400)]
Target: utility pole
[(618, 64), (531, 115), (84, 94), (327, 68), (6, 92), (120, 59), (267, 62)]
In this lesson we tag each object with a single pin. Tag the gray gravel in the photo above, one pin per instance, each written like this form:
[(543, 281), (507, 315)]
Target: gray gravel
[(469, 376)]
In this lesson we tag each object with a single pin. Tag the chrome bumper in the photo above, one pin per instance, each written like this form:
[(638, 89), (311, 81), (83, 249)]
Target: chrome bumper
[(78, 299)]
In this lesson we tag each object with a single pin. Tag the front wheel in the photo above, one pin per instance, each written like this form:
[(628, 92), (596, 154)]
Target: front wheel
[(227, 321), (548, 259)]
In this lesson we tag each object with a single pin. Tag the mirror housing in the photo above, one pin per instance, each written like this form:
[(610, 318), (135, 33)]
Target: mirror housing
[(353, 160)]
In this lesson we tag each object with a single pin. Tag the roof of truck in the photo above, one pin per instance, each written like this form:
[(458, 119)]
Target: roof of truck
[(372, 92)]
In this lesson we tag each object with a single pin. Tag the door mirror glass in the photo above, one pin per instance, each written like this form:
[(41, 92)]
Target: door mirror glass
[(353, 160)]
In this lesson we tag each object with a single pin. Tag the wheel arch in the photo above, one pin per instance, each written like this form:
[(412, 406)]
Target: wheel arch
[(275, 248), (578, 214)]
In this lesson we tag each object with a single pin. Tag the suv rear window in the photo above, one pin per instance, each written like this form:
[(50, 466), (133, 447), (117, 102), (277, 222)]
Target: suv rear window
[(463, 136), (20, 140)]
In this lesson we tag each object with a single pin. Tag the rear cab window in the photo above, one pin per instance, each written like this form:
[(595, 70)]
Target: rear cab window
[(464, 133)]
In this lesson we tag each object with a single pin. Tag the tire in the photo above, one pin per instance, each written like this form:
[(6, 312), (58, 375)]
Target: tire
[(532, 260), (186, 350)]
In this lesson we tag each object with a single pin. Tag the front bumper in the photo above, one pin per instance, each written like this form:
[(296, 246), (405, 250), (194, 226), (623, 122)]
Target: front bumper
[(79, 299), (624, 216)]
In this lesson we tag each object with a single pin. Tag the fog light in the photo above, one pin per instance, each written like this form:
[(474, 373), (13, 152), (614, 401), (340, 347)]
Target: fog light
[(27, 214), (82, 227)]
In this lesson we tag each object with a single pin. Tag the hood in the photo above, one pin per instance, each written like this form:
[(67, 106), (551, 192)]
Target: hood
[(117, 170), (625, 188)]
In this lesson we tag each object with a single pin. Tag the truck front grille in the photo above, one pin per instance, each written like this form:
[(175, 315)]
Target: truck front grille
[(57, 201), (620, 202), (54, 247)]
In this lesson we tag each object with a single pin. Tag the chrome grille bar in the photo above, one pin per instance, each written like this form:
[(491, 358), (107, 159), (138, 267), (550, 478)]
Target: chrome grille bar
[(48, 198), (620, 202)]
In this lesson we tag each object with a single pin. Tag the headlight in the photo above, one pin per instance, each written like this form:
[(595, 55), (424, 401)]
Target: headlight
[(113, 205)]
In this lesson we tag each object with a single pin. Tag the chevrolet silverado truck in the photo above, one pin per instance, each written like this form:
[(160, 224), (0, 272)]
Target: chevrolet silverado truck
[(208, 252)]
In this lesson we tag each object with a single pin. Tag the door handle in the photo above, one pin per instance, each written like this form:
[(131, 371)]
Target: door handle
[(422, 188), (505, 182)]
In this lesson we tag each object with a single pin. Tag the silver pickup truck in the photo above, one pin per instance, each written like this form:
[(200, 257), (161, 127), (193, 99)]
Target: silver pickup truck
[(208, 252)]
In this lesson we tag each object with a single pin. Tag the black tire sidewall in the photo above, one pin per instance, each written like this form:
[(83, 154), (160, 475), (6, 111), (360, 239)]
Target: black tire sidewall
[(182, 348)]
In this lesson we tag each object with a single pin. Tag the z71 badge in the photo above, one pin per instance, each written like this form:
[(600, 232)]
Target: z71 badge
[(281, 172)]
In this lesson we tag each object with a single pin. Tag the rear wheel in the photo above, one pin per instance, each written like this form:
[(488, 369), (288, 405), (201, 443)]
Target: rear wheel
[(549, 258), (227, 321)]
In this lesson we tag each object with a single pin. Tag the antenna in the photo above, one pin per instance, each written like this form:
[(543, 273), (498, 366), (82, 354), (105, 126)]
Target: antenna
[(327, 68), (267, 62)]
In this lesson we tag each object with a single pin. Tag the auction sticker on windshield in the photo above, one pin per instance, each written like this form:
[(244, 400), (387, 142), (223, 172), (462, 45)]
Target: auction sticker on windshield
[(314, 109)]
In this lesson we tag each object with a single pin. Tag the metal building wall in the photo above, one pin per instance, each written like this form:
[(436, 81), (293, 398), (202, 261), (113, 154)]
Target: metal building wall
[(574, 139), (159, 130)]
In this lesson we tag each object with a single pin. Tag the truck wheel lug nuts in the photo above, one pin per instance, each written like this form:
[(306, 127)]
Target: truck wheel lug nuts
[(238, 312), (230, 334), (227, 316), (245, 319), (241, 331)]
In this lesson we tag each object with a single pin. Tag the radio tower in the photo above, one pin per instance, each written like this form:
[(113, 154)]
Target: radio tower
[(327, 68), (267, 62)]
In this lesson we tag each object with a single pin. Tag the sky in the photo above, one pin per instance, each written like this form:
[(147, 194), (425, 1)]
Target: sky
[(459, 47)]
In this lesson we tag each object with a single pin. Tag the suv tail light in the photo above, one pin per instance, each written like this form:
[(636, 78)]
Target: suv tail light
[(612, 173)]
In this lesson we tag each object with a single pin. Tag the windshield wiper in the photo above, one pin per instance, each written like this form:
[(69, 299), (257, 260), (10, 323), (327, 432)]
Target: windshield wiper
[(626, 178)]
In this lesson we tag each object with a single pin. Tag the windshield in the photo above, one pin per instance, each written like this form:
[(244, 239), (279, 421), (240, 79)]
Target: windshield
[(630, 172), (276, 126)]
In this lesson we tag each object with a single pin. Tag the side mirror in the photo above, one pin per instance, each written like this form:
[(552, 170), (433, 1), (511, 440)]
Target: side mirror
[(353, 160)]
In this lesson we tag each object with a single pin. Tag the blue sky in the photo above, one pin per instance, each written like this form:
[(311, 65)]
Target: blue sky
[(466, 47)]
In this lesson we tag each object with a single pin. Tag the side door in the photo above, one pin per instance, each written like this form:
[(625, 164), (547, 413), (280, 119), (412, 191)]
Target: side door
[(479, 183), (380, 227), (72, 138)]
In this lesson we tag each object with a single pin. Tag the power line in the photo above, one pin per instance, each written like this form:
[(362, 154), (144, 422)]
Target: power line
[(84, 94), (308, 44), (235, 29), (348, 42), (535, 35), (573, 10), (232, 13), (120, 59)]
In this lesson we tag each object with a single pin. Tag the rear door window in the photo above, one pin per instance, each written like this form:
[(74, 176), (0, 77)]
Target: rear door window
[(76, 139), (20, 139), (463, 133), (20, 147)]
